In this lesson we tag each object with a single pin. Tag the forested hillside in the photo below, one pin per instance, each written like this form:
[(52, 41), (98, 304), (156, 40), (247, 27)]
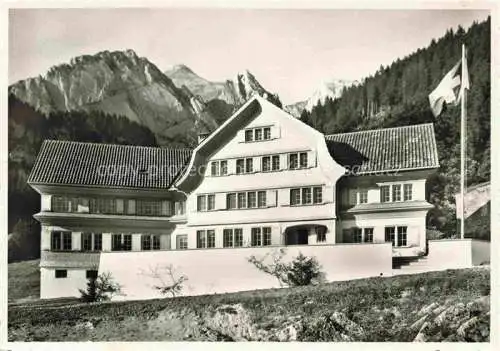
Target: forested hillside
[(27, 130), (397, 95)]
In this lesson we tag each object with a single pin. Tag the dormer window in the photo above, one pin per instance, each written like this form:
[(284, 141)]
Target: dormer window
[(257, 134)]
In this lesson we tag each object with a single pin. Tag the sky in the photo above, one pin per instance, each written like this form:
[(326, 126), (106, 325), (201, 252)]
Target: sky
[(290, 52)]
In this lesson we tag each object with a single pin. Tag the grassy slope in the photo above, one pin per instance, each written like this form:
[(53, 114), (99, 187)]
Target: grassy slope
[(437, 306), (24, 281)]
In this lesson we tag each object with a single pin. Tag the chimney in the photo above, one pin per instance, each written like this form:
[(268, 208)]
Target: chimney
[(202, 136)]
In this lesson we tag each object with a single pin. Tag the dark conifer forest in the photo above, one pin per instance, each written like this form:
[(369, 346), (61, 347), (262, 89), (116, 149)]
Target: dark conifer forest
[(397, 95)]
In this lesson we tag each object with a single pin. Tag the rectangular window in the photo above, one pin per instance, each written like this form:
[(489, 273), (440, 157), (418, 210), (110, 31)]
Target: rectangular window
[(223, 168), (385, 193), (267, 133), (148, 207), (261, 199), (91, 274), (402, 236), (104, 205), (61, 273), (240, 166), (276, 163), (396, 192), (231, 201), (363, 196), (249, 165), (182, 242), (248, 135), (214, 166), (202, 203), (293, 161), (131, 207), (294, 197), (210, 202), (353, 197), (357, 235), (242, 201), (306, 196), (238, 237), (252, 199), (317, 195), (201, 239), (86, 243), (256, 237), (211, 238), (266, 164), (227, 240), (258, 134), (97, 241), (66, 244), (266, 240), (368, 235), (390, 235), (127, 242), (121, 242), (146, 242), (303, 160), (408, 192), (56, 241)]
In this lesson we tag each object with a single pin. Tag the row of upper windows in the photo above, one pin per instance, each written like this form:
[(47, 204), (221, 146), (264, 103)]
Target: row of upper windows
[(259, 199), (388, 193), (397, 235), (117, 206), (296, 160), (63, 241)]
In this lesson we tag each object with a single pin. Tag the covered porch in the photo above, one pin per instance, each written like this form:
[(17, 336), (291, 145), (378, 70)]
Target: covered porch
[(307, 234)]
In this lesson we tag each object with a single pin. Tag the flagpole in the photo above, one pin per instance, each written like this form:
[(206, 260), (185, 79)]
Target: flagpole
[(463, 118)]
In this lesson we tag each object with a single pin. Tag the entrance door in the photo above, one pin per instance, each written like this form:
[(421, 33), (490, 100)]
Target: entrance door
[(297, 236)]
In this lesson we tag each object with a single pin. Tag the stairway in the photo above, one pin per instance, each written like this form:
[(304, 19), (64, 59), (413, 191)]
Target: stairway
[(410, 265)]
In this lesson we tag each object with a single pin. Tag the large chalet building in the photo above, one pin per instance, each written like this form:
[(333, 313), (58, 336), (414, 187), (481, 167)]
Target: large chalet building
[(263, 180)]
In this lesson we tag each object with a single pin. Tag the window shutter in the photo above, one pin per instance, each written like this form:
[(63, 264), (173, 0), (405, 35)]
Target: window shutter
[(131, 207), (240, 136), (220, 201), (136, 242), (119, 205), (271, 196), (283, 161), (328, 194), (275, 132), (231, 166), (257, 162), (165, 208), (165, 242), (177, 208), (76, 241), (311, 158), (284, 197), (276, 235)]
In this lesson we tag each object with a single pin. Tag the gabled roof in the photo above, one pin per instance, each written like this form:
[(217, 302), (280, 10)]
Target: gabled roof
[(107, 165), (391, 149)]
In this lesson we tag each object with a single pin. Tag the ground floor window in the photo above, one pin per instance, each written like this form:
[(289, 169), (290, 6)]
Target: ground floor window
[(182, 242), (91, 242), (401, 239), (205, 239), (358, 235), (61, 273), (150, 242), (320, 234), (61, 241), (261, 236), (233, 237), (368, 235), (121, 242)]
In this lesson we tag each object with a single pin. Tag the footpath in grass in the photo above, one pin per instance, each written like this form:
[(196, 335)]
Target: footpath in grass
[(451, 305)]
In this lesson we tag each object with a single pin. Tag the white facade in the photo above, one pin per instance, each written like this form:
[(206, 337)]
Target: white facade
[(237, 198)]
